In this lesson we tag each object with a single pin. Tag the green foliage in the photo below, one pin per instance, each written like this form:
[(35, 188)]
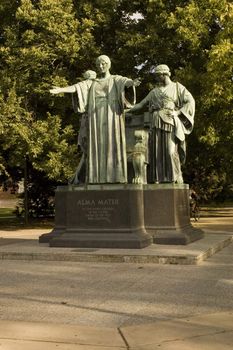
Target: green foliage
[(41, 196), (52, 42), (41, 41)]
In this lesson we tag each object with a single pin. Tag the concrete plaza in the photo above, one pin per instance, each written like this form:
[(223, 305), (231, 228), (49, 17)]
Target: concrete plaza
[(51, 304)]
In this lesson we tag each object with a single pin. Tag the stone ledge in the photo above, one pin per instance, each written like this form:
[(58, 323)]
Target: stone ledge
[(192, 254)]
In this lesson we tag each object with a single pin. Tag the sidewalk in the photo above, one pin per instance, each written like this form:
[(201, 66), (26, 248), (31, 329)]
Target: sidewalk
[(208, 332), (72, 305)]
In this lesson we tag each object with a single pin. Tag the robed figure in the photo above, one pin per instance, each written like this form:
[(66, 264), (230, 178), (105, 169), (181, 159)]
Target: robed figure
[(103, 101)]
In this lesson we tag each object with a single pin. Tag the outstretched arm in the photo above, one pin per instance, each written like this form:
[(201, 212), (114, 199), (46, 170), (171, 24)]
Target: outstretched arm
[(131, 82), (67, 89), (139, 105)]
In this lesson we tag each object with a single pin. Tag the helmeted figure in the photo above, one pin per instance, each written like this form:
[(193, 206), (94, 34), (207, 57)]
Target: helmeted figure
[(171, 108)]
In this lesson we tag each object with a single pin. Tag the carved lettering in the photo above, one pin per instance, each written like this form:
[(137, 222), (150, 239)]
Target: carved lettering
[(86, 202), (92, 202), (109, 201)]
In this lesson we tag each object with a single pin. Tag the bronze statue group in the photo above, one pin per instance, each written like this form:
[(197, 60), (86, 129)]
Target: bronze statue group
[(100, 99)]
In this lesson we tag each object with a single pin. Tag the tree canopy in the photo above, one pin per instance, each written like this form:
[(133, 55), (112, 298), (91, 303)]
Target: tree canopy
[(52, 42)]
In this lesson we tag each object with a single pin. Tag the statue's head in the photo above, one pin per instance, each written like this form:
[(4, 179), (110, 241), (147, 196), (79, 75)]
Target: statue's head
[(89, 74), (103, 63), (162, 73), (162, 69)]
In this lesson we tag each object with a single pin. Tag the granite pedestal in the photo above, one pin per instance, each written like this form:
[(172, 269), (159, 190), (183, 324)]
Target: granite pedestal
[(122, 216), (167, 214), (99, 216)]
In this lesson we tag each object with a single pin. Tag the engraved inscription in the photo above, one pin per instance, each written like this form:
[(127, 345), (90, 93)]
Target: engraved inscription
[(99, 214), (98, 210)]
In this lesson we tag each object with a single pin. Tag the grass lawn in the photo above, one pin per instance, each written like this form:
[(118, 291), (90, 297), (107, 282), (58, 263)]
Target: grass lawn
[(6, 212), (9, 219), (218, 205)]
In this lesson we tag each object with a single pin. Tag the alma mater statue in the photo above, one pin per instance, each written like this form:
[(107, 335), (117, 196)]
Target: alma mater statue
[(103, 100), (171, 115), (150, 215)]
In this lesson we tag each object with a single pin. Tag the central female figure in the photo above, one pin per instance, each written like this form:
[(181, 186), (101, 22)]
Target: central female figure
[(103, 99)]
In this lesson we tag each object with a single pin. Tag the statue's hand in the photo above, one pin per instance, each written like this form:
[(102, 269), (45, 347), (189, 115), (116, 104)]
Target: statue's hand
[(136, 82), (127, 110), (55, 90), (176, 113)]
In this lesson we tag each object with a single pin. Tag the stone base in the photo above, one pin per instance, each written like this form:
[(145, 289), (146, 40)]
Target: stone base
[(122, 216), (194, 253), (167, 214), (47, 237), (99, 216), (182, 236), (117, 239)]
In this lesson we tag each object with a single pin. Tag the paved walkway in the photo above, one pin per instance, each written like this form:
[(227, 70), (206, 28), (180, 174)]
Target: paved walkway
[(70, 305), (206, 332)]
